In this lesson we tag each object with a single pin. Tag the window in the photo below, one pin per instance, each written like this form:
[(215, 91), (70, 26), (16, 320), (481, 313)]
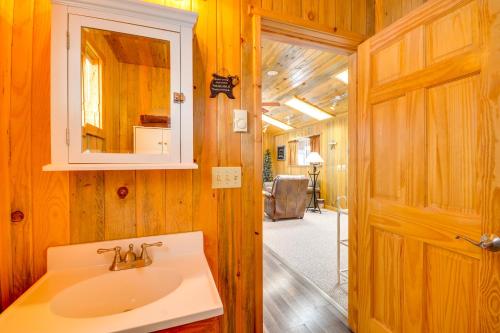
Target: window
[(91, 88), (303, 150)]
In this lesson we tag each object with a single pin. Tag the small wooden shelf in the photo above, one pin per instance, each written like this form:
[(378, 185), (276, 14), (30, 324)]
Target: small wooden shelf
[(118, 166)]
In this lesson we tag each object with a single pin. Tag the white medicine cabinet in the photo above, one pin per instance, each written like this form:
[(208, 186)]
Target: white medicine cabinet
[(121, 86)]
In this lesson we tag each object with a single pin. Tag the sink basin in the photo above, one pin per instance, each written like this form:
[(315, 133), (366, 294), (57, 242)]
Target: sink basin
[(115, 292)]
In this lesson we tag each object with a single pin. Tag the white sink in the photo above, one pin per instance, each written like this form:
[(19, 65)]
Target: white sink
[(115, 292), (79, 294)]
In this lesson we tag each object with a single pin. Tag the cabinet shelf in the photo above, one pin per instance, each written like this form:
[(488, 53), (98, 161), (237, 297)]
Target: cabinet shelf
[(118, 166)]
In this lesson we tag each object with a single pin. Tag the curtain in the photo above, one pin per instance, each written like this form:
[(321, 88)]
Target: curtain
[(292, 152), (315, 143)]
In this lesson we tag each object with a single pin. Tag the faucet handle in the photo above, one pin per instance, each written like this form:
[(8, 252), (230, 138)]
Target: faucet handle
[(117, 259), (144, 252), (117, 250)]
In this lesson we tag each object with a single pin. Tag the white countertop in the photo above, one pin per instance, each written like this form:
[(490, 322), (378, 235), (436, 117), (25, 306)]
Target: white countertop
[(195, 299)]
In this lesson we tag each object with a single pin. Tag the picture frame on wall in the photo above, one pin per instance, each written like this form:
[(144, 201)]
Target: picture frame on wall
[(281, 153)]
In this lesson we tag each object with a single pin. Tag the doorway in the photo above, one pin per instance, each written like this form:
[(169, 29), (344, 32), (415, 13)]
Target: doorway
[(305, 99)]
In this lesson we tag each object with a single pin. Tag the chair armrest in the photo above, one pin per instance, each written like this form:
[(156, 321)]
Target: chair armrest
[(267, 194)]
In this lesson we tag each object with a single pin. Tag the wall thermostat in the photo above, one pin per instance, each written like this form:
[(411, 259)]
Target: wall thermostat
[(240, 123)]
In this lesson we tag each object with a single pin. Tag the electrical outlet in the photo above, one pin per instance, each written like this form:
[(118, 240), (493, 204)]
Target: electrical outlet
[(226, 177)]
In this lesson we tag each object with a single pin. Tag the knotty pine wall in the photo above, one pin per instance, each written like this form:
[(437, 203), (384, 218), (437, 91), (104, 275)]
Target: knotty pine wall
[(388, 11), (332, 180), (73, 207)]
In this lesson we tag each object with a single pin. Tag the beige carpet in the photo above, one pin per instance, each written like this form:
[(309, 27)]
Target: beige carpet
[(309, 247)]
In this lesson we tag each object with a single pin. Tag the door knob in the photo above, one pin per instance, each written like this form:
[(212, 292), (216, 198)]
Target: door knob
[(487, 242)]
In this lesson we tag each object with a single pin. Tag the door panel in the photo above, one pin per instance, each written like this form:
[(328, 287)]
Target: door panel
[(425, 169)]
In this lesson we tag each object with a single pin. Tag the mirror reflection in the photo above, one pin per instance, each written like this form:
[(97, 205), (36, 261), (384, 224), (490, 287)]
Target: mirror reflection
[(125, 82)]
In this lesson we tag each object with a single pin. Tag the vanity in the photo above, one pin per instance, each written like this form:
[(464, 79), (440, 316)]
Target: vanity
[(82, 293)]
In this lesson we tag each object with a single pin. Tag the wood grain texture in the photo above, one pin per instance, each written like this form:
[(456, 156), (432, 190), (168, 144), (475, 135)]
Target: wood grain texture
[(348, 15), (84, 206), (490, 101), (6, 21), (389, 11), (304, 72), (453, 145), (20, 148), (387, 272), (452, 292), (438, 179), (50, 190), (119, 214)]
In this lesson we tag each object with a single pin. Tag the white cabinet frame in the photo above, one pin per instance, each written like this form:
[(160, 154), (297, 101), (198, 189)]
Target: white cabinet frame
[(132, 17)]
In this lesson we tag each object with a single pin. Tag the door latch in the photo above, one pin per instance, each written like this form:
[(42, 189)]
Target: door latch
[(487, 242)]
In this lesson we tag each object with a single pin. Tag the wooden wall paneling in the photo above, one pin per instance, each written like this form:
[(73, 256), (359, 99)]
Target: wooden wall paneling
[(389, 11), (50, 189), (20, 129), (344, 14), (123, 129), (359, 22), (310, 10), (150, 204), (206, 145), (229, 153), (178, 201), (86, 206), (6, 21), (326, 13), (119, 214)]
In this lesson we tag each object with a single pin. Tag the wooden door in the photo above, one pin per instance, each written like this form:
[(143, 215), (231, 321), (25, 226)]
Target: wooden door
[(428, 95)]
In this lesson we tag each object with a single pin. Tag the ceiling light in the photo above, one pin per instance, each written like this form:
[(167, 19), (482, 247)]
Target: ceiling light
[(308, 109), (272, 73), (276, 123), (343, 76)]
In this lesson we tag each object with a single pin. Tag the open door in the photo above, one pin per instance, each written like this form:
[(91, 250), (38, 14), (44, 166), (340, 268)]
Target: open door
[(428, 96)]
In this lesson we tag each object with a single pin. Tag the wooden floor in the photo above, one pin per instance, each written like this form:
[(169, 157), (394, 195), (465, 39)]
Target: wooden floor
[(293, 305)]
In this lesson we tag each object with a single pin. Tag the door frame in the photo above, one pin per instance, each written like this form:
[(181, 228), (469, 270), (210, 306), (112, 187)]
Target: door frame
[(268, 24)]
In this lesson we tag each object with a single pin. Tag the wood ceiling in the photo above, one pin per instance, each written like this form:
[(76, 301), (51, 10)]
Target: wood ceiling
[(137, 50), (303, 72)]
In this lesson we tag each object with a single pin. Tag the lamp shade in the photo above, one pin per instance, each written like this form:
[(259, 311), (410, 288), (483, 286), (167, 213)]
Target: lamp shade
[(314, 158)]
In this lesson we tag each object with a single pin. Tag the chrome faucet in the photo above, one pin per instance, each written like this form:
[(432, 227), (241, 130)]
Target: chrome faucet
[(130, 260)]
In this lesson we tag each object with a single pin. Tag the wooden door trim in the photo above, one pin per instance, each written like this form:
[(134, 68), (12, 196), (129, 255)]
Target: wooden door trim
[(7, 10), (301, 32), (306, 33)]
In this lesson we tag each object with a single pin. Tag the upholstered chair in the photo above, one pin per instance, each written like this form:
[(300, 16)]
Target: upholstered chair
[(287, 198)]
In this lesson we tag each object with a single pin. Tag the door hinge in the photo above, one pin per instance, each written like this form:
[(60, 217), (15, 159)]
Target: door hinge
[(67, 40), (179, 97), (67, 136)]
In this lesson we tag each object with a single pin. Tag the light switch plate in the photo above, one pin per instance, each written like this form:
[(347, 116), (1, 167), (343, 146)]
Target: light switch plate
[(240, 121), (226, 177)]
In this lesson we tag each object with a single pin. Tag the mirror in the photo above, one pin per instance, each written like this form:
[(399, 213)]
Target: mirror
[(125, 93)]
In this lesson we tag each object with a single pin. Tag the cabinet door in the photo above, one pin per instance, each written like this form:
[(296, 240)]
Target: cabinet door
[(148, 140), (167, 140), (120, 76)]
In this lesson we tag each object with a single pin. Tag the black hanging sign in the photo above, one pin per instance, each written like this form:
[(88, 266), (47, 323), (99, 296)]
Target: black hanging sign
[(223, 84)]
